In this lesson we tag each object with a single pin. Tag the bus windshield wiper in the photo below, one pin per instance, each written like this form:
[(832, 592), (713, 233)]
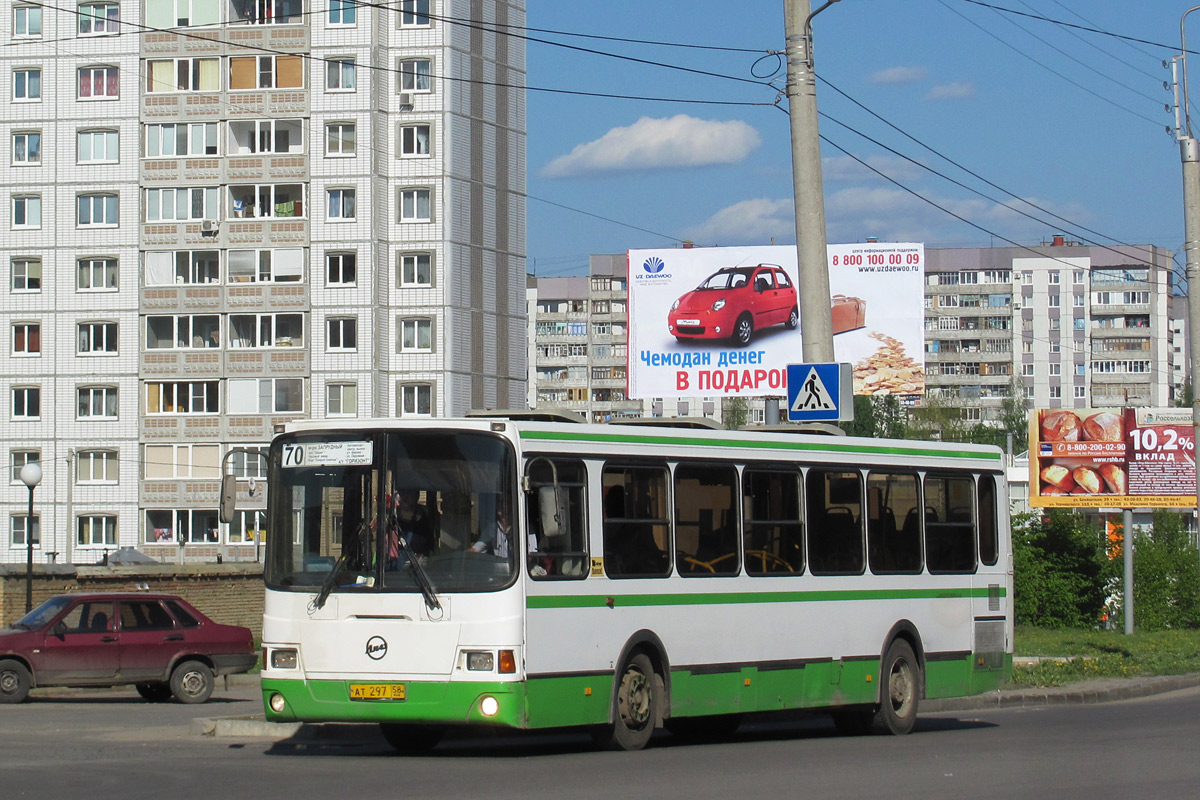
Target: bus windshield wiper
[(331, 580), (419, 576)]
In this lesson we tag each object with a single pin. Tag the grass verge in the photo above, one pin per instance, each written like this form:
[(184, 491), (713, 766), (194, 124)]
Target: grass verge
[(1103, 654)]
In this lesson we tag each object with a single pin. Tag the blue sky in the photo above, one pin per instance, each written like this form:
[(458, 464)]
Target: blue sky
[(1069, 120)]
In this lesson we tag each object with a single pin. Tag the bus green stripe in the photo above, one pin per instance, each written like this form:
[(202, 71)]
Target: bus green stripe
[(736, 598), (802, 446)]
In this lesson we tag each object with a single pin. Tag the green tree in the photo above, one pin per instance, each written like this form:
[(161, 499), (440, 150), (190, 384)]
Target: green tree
[(938, 417), (880, 417), (1166, 575), (1059, 570), (734, 413), (1014, 417)]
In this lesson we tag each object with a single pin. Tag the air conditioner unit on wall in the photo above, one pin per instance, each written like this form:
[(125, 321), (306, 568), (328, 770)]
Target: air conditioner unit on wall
[(208, 226), (406, 100)]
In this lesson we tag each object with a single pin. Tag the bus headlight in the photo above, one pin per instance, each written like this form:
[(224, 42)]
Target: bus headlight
[(277, 703), (489, 706), (480, 661), (283, 658)]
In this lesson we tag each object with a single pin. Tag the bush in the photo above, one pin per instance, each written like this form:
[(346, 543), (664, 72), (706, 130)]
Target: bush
[(1166, 575), (1059, 571)]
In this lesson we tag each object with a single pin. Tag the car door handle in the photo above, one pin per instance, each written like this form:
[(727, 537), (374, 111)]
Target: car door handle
[(108, 638), (173, 637)]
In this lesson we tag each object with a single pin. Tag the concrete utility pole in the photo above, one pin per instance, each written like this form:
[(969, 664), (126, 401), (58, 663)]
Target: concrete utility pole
[(1189, 155), (816, 319)]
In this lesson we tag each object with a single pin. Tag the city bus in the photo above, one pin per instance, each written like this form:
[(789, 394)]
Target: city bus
[(523, 573)]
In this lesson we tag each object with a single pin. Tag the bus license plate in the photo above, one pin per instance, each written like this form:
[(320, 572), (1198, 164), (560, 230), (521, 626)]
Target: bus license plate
[(377, 691)]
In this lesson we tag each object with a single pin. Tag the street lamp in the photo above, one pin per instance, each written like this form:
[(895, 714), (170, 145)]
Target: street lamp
[(31, 476)]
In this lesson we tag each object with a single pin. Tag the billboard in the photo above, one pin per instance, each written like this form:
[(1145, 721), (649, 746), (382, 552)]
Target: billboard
[(724, 321), (1112, 458)]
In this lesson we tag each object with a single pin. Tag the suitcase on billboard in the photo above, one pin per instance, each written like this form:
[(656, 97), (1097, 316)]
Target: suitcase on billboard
[(849, 313)]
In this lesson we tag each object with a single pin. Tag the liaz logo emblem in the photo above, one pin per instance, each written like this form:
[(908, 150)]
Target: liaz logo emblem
[(376, 647)]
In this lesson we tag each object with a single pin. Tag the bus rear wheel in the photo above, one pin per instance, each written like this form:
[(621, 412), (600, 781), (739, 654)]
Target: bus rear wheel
[(636, 710), (899, 691)]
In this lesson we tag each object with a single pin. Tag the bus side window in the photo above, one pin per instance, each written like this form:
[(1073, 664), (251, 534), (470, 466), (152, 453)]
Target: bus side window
[(560, 553), (835, 536), (706, 538), (950, 528), (636, 524), (893, 523), (989, 536), (774, 532)]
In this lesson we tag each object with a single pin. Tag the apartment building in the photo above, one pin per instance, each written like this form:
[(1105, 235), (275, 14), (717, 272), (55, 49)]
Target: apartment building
[(241, 212)]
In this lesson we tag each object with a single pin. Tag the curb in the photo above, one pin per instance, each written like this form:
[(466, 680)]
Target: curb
[(1103, 690)]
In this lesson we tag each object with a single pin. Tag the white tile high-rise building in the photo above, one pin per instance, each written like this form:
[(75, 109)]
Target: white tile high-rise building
[(224, 214)]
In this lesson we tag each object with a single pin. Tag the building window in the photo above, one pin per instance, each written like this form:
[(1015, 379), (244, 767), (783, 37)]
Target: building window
[(181, 205), (26, 402), (341, 400), (26, 274), (27, 84), (255, 136), (96, 274), (99, 83), (340, 75), (1055, 392), (266, 12), (99, 19), (182, 332), (97, 211), (416, 269), (416, 400), (248, 526), (182, 397), (266, 266), (97, 402), (267, 200), (182, 139), (266, 72), (26, 339), (18, 459), (175, 525), (97, 147), (414, 13), (266, 395), (21, 526), (343, 334), (258, 331), (416, 335), (1080, 392), (182, 461), (343, 12), (415, 76), (414, 141), (341, 269), (340, 139), (182, 267), (27, 211), (27, 22), (96, 466), (27, 148), (183, 75), (1056, 369), (246, 465), (340, 204), (97, 339), (416, 205), (96, 530)]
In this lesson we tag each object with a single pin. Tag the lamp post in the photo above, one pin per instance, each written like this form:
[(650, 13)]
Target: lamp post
[(1189, 156), (31, 476)]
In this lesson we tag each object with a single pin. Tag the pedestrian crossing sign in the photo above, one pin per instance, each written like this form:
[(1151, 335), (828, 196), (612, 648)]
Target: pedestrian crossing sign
[(819, 392)]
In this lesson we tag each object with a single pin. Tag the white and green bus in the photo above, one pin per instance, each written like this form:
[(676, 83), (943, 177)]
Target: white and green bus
[(532, 574)]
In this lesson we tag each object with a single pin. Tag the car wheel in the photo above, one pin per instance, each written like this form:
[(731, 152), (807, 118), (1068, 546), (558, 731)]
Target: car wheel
[(192, 682), (14, 682), (743, 330), (793, 319), (155, 692)]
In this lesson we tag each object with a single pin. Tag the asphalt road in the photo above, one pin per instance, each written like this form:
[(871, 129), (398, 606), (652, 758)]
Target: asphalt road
[(98, 745)]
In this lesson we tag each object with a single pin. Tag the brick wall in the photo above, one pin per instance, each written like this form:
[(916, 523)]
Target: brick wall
[(228, 593)]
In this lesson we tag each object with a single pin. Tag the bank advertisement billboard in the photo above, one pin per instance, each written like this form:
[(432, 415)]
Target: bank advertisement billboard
[(725, 321), (1112, 458)]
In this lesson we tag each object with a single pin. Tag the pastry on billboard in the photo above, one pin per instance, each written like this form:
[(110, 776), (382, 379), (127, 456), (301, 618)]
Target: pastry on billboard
[(1087, 479), (1104, 427), (1053, 491), (1114, 478), (1060, 426), (1057, 477)]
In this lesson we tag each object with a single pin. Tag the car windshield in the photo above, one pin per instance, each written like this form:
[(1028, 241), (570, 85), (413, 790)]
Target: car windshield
[(42, 615), (411, 511), (731, 278)]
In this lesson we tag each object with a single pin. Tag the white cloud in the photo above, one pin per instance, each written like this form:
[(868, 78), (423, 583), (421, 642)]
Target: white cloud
[(755, 221), (679, 141), (845, 168), (899, 75), (951, 91)]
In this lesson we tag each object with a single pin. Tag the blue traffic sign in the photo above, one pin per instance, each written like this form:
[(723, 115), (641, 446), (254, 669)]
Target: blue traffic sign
[(819, 392)]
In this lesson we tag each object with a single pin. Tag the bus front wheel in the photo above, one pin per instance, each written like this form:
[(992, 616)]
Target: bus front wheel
[(899, 690), (636, 710)]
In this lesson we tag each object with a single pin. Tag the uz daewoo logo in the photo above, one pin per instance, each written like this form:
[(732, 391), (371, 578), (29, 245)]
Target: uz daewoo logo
[(376, 647), (653, 268)]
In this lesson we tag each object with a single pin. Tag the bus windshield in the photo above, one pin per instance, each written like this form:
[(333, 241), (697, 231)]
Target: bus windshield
[(409, 511)]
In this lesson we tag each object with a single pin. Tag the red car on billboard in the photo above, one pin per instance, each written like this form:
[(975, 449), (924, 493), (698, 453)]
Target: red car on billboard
[(733, 303), (158, 642)]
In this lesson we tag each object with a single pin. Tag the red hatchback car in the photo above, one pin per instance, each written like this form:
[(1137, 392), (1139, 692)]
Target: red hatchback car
[(158, 642), (733, 303)]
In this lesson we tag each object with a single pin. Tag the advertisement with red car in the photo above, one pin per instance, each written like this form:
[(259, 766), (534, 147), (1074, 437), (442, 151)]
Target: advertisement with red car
[(1112, 458), (725, 321)]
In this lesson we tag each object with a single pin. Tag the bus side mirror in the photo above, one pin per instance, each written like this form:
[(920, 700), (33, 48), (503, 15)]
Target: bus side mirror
[(552, 504), (228, 497)]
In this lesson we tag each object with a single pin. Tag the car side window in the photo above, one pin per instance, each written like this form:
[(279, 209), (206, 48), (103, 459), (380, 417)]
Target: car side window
[(739, 280), (782, 280), (87, 617), (762, 282), (144, 615), (183, 615)]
